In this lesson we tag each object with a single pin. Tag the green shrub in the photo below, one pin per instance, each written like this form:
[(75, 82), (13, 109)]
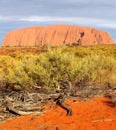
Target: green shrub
[(88, 64)]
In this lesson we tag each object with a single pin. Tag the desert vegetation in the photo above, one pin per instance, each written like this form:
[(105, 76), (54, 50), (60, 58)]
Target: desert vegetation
[(93, 65), (41, 80)]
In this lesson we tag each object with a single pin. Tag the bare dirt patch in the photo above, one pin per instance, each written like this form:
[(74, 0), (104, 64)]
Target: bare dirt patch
[(92, 114)]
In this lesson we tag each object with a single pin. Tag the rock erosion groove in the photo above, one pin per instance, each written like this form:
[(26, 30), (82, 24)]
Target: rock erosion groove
[(55, 35)]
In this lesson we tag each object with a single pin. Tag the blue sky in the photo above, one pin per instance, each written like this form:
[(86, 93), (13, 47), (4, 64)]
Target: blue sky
[(15, 14)]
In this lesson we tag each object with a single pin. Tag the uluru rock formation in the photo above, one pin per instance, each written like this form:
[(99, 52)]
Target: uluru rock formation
[(56, 35)]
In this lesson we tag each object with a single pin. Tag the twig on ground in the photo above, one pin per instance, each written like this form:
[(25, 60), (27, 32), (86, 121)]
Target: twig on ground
[(104, 120)]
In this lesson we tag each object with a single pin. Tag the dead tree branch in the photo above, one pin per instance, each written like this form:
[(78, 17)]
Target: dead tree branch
[(10, 108), (60, 102)]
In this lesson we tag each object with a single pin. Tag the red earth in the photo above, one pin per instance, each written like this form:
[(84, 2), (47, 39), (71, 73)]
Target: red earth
[(92, 114), (32, 50)]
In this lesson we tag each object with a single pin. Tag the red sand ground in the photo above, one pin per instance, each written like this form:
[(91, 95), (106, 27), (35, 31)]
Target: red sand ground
[(94, 114)]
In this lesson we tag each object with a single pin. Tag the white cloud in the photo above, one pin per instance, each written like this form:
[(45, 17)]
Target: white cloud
[(73, 20), (8, 18), (3, 18), (94, 1), (85, 21)]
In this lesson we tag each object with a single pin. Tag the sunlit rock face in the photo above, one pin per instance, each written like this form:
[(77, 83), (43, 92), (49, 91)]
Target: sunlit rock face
[(56, 35)]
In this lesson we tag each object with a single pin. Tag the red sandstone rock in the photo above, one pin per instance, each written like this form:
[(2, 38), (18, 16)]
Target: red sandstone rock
[(56, 35)]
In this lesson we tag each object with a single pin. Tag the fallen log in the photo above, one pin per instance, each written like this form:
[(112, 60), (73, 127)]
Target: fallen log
[(10, 108)]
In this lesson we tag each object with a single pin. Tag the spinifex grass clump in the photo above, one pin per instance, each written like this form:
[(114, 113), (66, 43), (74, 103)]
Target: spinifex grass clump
[(90, 64)]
